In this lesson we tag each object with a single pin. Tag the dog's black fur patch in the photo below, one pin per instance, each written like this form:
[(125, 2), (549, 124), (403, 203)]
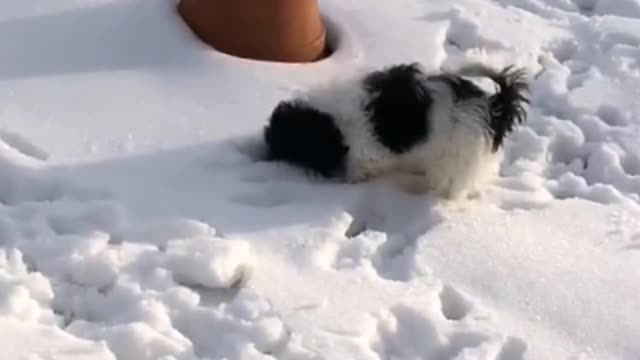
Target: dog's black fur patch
[(304, 136), (507, 105), (462, 88), (398, 107)]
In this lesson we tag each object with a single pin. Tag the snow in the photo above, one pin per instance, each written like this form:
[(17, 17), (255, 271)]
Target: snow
[(137, 222)]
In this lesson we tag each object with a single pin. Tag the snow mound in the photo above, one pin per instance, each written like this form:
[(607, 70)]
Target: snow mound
[(24, 295), (208, 262)]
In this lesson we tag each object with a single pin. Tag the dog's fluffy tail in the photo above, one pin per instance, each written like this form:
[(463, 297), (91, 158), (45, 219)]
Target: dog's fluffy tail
[(507, 105)]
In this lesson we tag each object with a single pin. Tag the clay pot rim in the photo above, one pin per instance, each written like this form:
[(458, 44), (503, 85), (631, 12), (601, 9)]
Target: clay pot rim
[(318, 49)]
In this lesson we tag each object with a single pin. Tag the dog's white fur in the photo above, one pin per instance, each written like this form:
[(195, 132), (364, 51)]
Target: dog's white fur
[(456, 161)]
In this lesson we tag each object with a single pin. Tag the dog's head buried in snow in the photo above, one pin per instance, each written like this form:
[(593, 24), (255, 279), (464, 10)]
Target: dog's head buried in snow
[(429, 133)]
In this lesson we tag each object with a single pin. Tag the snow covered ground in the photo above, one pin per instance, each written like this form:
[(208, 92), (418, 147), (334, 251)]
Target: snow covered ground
[(136, 223)]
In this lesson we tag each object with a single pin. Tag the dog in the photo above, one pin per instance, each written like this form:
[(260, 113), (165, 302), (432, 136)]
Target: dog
[(438, 133)]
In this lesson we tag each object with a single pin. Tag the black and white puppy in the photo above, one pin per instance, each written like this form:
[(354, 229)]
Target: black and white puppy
[(438, 133)]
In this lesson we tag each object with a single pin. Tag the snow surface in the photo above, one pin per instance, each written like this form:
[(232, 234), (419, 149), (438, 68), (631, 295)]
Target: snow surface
[(137, 222)]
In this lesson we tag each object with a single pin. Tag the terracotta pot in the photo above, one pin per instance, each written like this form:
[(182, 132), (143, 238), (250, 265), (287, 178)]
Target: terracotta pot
[(274, 30)]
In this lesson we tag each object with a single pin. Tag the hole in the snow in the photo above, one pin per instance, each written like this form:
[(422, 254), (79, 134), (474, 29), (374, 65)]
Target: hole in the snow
[(585, 7), (564, 50), (612, 116), (631, 164), (454, 305), (356, 228), (214, 297), (513, 349)]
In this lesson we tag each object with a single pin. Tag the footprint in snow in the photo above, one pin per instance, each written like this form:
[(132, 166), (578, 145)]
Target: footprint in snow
[(383, 233), (395, 338)]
